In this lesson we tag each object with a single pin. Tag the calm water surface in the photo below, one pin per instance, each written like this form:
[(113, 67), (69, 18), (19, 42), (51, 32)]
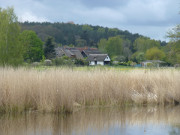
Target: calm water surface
[(96, 121)]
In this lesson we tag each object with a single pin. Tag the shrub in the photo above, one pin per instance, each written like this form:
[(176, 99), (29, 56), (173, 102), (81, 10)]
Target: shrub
[(81, 62), (59, 61), (48, 62)]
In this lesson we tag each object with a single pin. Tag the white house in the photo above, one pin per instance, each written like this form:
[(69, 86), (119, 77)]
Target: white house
[(98, 59)]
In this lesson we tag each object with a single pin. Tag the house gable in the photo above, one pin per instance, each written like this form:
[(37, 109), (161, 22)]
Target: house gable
[(107, 58), (84, 54)]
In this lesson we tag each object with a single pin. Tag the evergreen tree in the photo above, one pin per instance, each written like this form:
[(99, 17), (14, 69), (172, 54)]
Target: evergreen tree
[(49, 50)]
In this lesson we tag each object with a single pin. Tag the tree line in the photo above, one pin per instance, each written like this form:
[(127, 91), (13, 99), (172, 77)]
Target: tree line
[(34, 42), (143, 48), (123, 50)]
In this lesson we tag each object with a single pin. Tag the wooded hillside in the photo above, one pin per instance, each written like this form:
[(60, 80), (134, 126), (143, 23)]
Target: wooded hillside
[(78, 35)]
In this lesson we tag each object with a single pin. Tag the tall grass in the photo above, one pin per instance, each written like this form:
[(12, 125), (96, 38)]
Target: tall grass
[(62, 90)]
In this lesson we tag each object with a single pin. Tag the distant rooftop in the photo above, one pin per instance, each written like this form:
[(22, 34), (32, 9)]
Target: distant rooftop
[(97, 57), (154, 61)]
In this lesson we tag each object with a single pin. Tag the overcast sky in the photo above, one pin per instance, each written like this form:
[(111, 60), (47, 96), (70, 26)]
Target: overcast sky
[(152, 18)]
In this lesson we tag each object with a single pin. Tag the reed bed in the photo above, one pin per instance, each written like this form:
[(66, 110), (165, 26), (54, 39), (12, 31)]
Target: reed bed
[(63, 90)]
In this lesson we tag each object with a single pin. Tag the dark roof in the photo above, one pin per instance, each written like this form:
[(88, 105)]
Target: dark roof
[(91, 51), (85, 48), (59, 52), (67, 52), (77, 53), (97, 57)]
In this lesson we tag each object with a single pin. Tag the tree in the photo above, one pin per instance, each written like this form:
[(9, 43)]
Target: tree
[(113, 31), (114, 46), (173, 54), (143, 44), (119, 58), (127, 49), (139, 44), (174, 45), (102, 44), (155, 54), (174, 34), (49, 50), (100, 32), (127, 53), (11, 50), (33, 46), (138, 57), (86, 33), (81, 42)]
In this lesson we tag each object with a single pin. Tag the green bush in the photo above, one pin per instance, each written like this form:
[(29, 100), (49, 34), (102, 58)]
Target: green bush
[(81, 62), (63, 61)]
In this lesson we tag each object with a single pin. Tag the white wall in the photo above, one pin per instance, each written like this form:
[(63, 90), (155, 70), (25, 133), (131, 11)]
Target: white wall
[(107, 59), (100, 62), (92, 63)]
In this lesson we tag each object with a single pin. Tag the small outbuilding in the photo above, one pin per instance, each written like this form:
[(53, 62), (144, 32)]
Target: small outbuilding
[(153, 63)]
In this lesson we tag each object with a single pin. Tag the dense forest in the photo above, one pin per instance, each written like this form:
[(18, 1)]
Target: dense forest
[(77, 35)]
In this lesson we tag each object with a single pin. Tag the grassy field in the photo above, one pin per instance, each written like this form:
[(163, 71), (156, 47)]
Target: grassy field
[(64, 89)]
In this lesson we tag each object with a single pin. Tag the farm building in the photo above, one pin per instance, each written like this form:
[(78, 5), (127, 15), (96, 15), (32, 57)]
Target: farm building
[(98, 59), (87, 52), (154, 63), (93, 55), (71, 53)]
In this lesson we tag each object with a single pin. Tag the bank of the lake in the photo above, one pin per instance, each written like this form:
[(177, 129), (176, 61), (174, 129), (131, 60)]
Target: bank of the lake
[(65, 89)]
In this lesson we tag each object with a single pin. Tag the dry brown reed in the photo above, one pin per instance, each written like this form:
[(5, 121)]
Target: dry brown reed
[(61, 90)]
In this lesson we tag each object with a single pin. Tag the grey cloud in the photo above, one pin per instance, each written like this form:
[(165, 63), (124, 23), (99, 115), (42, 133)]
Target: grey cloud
[(104, 3), (148, 17)]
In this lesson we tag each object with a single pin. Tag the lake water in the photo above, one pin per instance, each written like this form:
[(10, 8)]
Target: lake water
[(96, 121)]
